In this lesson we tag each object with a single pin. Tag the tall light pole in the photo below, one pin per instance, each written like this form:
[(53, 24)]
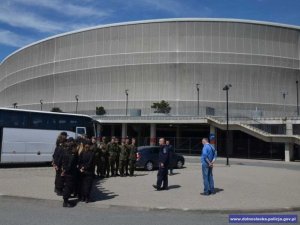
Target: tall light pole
[(126, 92), (226, 88), (41, 101), (15, 105), (297, 87), (198, 105), (284, 94), (76, 97)]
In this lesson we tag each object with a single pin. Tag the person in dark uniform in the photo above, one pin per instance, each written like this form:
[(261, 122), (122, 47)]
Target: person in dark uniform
[(79, 178), (97, 153), (69, 170), (87, 169), (171, 153), (57, 163), (163, 161), (104, 171), (132, 157)]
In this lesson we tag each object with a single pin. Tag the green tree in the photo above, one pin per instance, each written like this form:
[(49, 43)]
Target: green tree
[(100, 110), (56, 109), (161, 107)]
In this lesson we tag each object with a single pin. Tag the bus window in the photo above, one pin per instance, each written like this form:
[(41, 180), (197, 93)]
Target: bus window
[(75, 122), (80, 131), (13, 119), (62, 123), (39, 121)]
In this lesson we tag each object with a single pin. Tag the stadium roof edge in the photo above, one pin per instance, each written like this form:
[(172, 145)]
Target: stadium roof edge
[(257, 22)]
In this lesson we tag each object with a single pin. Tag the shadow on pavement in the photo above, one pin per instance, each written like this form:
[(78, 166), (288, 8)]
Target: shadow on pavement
[(99, 193), (173, 187), (173, 174), (217, 190)]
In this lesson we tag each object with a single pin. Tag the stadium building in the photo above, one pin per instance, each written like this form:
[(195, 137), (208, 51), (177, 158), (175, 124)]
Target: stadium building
[(126, 67)]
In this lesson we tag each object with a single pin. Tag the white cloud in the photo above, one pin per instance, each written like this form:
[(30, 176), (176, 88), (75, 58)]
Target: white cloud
[(17, 18), (177, 8), (11, 39), (66, 8)]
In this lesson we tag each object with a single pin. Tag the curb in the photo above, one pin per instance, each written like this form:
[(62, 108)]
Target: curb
[(163, 209)]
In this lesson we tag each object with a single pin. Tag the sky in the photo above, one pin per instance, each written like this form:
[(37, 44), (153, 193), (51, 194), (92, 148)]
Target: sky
[(25, 21)]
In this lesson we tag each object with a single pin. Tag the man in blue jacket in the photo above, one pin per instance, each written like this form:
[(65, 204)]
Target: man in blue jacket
[(163, 163), (208, 157)]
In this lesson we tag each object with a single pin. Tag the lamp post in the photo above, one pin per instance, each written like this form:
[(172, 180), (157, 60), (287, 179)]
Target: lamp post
[(198, 110), (284, 94), (76, 97), (15, 105), (297, 87), (41, 101), (226, 88), (126, 92)]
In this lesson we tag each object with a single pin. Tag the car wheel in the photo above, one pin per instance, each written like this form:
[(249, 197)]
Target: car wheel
[(179, 164), (149, 166)]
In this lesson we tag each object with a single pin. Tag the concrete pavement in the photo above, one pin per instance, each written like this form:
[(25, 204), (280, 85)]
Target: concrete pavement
[(240, 188)]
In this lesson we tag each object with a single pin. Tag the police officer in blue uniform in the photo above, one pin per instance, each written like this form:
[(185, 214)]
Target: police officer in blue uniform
[(163, 161)]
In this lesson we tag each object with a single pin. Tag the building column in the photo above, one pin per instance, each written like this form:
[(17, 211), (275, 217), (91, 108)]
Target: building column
[(213, 136), (112, 133), (178, 137), (124, 130), (289, 147), (152, 134), (230, 144)]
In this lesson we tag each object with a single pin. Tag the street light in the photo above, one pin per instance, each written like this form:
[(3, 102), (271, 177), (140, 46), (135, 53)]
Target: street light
[(197, 86), (284, 94), (76, 97), (226, 88), (15, 105), (297, 87), (126, 92), (41, 101)]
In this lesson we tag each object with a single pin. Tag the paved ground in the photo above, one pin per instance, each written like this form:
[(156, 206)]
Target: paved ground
[(16, 211), (247, 185)]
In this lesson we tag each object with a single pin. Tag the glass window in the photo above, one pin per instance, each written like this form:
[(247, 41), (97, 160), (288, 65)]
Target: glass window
[(38, 121), (43, 121), (62, 123), (13, 119), (81, 130)]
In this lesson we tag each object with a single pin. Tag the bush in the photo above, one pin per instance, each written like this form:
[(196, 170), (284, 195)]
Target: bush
[(161, 107), (56, 109), (100, 110)]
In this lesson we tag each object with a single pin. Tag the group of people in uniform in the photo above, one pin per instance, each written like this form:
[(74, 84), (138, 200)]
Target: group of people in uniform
[(77, 162)]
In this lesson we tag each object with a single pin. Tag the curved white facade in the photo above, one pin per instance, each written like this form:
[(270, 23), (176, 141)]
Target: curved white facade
[(159, 60)]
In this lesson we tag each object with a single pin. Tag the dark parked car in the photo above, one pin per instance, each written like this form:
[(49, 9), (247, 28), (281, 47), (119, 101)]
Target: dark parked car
[(147, 158)]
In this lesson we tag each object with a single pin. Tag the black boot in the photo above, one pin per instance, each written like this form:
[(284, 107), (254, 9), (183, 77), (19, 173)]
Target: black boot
[(66, 204)]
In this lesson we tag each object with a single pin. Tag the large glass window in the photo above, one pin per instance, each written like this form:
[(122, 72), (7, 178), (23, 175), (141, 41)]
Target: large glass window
[(13, 119), (43, 121)]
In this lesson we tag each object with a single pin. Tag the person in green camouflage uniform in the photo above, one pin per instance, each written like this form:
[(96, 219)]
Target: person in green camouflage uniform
[(132, 157), (123, 158), (104, 171), (118, 156), (113, 149), (127, 146), (94, 148)]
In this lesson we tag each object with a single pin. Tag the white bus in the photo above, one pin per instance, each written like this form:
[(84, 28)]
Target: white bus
[(30, 136)]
